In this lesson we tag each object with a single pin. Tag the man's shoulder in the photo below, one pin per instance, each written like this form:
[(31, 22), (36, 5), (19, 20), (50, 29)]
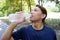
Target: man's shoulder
[(49, 29)]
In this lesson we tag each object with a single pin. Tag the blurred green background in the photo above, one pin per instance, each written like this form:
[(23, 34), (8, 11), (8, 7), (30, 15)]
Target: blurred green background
[(11, 6)]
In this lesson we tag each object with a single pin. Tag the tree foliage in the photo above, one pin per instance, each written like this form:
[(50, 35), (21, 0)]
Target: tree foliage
[(12, 6)]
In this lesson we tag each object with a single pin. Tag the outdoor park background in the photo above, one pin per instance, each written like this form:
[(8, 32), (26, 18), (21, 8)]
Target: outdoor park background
[(11, 6)]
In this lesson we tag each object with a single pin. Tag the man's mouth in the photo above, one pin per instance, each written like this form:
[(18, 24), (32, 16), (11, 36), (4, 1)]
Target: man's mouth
[(31, 16)]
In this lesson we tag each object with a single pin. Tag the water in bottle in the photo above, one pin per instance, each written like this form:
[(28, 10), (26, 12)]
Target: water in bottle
[(16, 16)]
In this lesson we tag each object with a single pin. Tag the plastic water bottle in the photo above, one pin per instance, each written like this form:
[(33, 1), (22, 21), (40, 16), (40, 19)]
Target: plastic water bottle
[(27, 15), (16, 17)]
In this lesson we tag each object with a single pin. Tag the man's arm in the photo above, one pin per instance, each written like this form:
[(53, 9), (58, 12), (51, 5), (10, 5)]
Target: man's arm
[(11, 38), (8, 33)]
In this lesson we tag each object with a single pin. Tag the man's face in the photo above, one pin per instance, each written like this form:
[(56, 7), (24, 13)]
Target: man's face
[(36, 14)]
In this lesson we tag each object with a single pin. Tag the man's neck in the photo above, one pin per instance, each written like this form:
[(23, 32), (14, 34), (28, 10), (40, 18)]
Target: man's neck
[(37, 25)]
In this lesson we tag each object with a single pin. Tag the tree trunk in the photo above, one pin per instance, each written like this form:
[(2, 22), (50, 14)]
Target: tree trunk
[(57, 1), (21, 5), (29, 4), (39, 2)]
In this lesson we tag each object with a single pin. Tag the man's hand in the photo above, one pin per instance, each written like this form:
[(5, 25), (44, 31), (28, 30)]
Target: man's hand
[(21, 18)]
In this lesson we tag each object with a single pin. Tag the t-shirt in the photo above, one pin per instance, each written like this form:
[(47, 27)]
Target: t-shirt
[(29, 33)]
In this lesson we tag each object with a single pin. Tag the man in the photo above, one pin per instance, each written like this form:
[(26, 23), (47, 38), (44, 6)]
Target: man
[(36, 31)]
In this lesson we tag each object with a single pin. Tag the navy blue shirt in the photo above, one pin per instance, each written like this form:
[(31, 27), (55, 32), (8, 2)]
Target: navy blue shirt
[(29, 33)]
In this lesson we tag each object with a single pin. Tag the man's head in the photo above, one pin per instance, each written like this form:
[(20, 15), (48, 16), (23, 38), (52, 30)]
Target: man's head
[(39, 13)]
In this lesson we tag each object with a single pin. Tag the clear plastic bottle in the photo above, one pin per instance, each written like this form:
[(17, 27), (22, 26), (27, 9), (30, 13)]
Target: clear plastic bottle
[(16, 17), (27, 15)]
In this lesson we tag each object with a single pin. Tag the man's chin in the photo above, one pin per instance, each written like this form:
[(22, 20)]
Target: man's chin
[(32, 20)]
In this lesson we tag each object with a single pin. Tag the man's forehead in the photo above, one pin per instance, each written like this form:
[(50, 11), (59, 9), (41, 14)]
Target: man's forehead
[(35, 8)]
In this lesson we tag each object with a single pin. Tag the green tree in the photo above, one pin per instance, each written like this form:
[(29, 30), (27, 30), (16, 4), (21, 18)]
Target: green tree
[(12, 6)]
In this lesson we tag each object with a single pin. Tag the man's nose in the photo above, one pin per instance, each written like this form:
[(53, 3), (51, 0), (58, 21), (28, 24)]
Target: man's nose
[(32, 12)]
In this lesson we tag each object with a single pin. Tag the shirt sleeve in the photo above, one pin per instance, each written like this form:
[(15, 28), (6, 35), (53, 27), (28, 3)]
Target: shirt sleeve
[(18, 34), (55, 37)]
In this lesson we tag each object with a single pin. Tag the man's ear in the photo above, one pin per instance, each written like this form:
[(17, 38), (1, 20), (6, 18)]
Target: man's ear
[(43, 16)]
